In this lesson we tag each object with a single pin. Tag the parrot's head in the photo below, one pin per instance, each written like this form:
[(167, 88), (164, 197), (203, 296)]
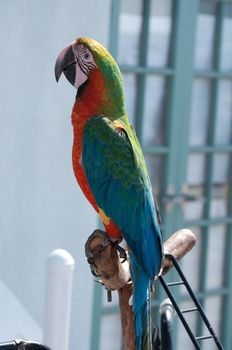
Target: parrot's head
[(88, 65)]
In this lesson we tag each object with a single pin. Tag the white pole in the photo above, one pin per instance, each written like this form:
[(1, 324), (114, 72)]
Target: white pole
[(60, 267)]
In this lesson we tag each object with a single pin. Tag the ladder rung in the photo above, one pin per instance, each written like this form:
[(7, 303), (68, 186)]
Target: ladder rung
[(204, 337), (170, 284), (183, 281), (185, 311)]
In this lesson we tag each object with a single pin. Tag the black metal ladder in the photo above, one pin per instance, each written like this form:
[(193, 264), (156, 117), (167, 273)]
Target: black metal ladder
[(197, 308)]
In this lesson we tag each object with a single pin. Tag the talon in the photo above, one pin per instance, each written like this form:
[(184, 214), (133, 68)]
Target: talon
[(93, 270), (122, 253), (94, 273), (90, 260), (92, 266), (91, 255)]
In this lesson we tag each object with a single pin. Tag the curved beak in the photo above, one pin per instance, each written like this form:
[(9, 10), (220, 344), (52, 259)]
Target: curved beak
[(65, 63)]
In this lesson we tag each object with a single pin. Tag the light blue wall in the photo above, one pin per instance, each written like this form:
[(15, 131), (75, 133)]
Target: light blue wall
[(41, 207)]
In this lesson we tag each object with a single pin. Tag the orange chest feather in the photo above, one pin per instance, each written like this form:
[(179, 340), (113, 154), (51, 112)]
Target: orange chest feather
[(77, 164), (86, 106), (78, 128)]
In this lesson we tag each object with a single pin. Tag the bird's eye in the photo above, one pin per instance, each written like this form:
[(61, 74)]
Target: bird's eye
[(86, 56)]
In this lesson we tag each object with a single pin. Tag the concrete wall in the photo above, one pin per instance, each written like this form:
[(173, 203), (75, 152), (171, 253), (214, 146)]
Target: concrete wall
[(41, 206)]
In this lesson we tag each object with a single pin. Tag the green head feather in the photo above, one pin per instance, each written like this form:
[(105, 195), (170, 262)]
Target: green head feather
[(110, 71)]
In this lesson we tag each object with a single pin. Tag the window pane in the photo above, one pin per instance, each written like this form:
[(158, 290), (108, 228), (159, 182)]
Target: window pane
[(220, 169), (196, 169), (224, 112), (129, 82), (160, 33), (205, 34), (155, 166), (193, 207), (199, 112), (213, 311), (220, 189), (226, 51), (155, 111), (129, 32), (218, 204), (215, 258), (110, 332)]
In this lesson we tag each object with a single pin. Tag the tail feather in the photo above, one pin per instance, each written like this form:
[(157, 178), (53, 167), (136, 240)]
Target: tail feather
[(142, 327), (141, 308)]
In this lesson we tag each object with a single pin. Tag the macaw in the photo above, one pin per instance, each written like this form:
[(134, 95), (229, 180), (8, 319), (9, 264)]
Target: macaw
[(110, 168)]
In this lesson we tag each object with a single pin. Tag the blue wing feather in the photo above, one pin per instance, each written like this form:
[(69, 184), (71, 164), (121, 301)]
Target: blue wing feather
[(122, 190)]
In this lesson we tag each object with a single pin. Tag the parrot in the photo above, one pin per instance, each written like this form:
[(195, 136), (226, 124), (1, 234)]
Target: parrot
[(110, 168)]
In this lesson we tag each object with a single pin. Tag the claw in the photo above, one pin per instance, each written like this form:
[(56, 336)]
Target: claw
[(93, 267), (90, 254), (93, 271), (122, 253)]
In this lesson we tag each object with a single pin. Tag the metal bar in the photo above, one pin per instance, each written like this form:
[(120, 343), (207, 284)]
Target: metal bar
[(114, 24), (180, 85), (168, 169), (211, 149), (166, 324), (203, 337), (156, 150), (227, 302), (209, 160), (179, 103), (195, 300), (96, 317), (147, 70), (185, 311), (141, 79), (210, 293), (184, 322), (172, 284), (208, 222), (213, 74)]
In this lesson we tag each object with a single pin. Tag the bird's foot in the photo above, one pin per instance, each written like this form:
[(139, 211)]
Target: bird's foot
[(96, 243), (122, 252), (93, 267)]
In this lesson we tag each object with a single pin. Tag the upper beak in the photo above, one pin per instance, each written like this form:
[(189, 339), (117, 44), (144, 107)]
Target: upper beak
[(65, 59)]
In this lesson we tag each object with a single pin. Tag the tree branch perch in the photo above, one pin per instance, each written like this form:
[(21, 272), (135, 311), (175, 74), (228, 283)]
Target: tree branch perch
[(105, 262)]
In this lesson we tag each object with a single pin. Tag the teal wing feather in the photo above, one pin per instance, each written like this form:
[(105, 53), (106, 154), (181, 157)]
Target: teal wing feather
[(117, 176)]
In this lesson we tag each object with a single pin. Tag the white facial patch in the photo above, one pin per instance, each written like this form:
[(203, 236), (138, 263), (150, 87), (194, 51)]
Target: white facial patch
[(85, 63), (80, 77)]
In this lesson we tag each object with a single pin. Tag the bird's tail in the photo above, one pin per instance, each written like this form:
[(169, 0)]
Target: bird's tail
[(141, 306)]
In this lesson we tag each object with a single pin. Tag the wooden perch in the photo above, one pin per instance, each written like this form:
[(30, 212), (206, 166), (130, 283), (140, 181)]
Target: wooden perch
[(105, 262), (179, 244)]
